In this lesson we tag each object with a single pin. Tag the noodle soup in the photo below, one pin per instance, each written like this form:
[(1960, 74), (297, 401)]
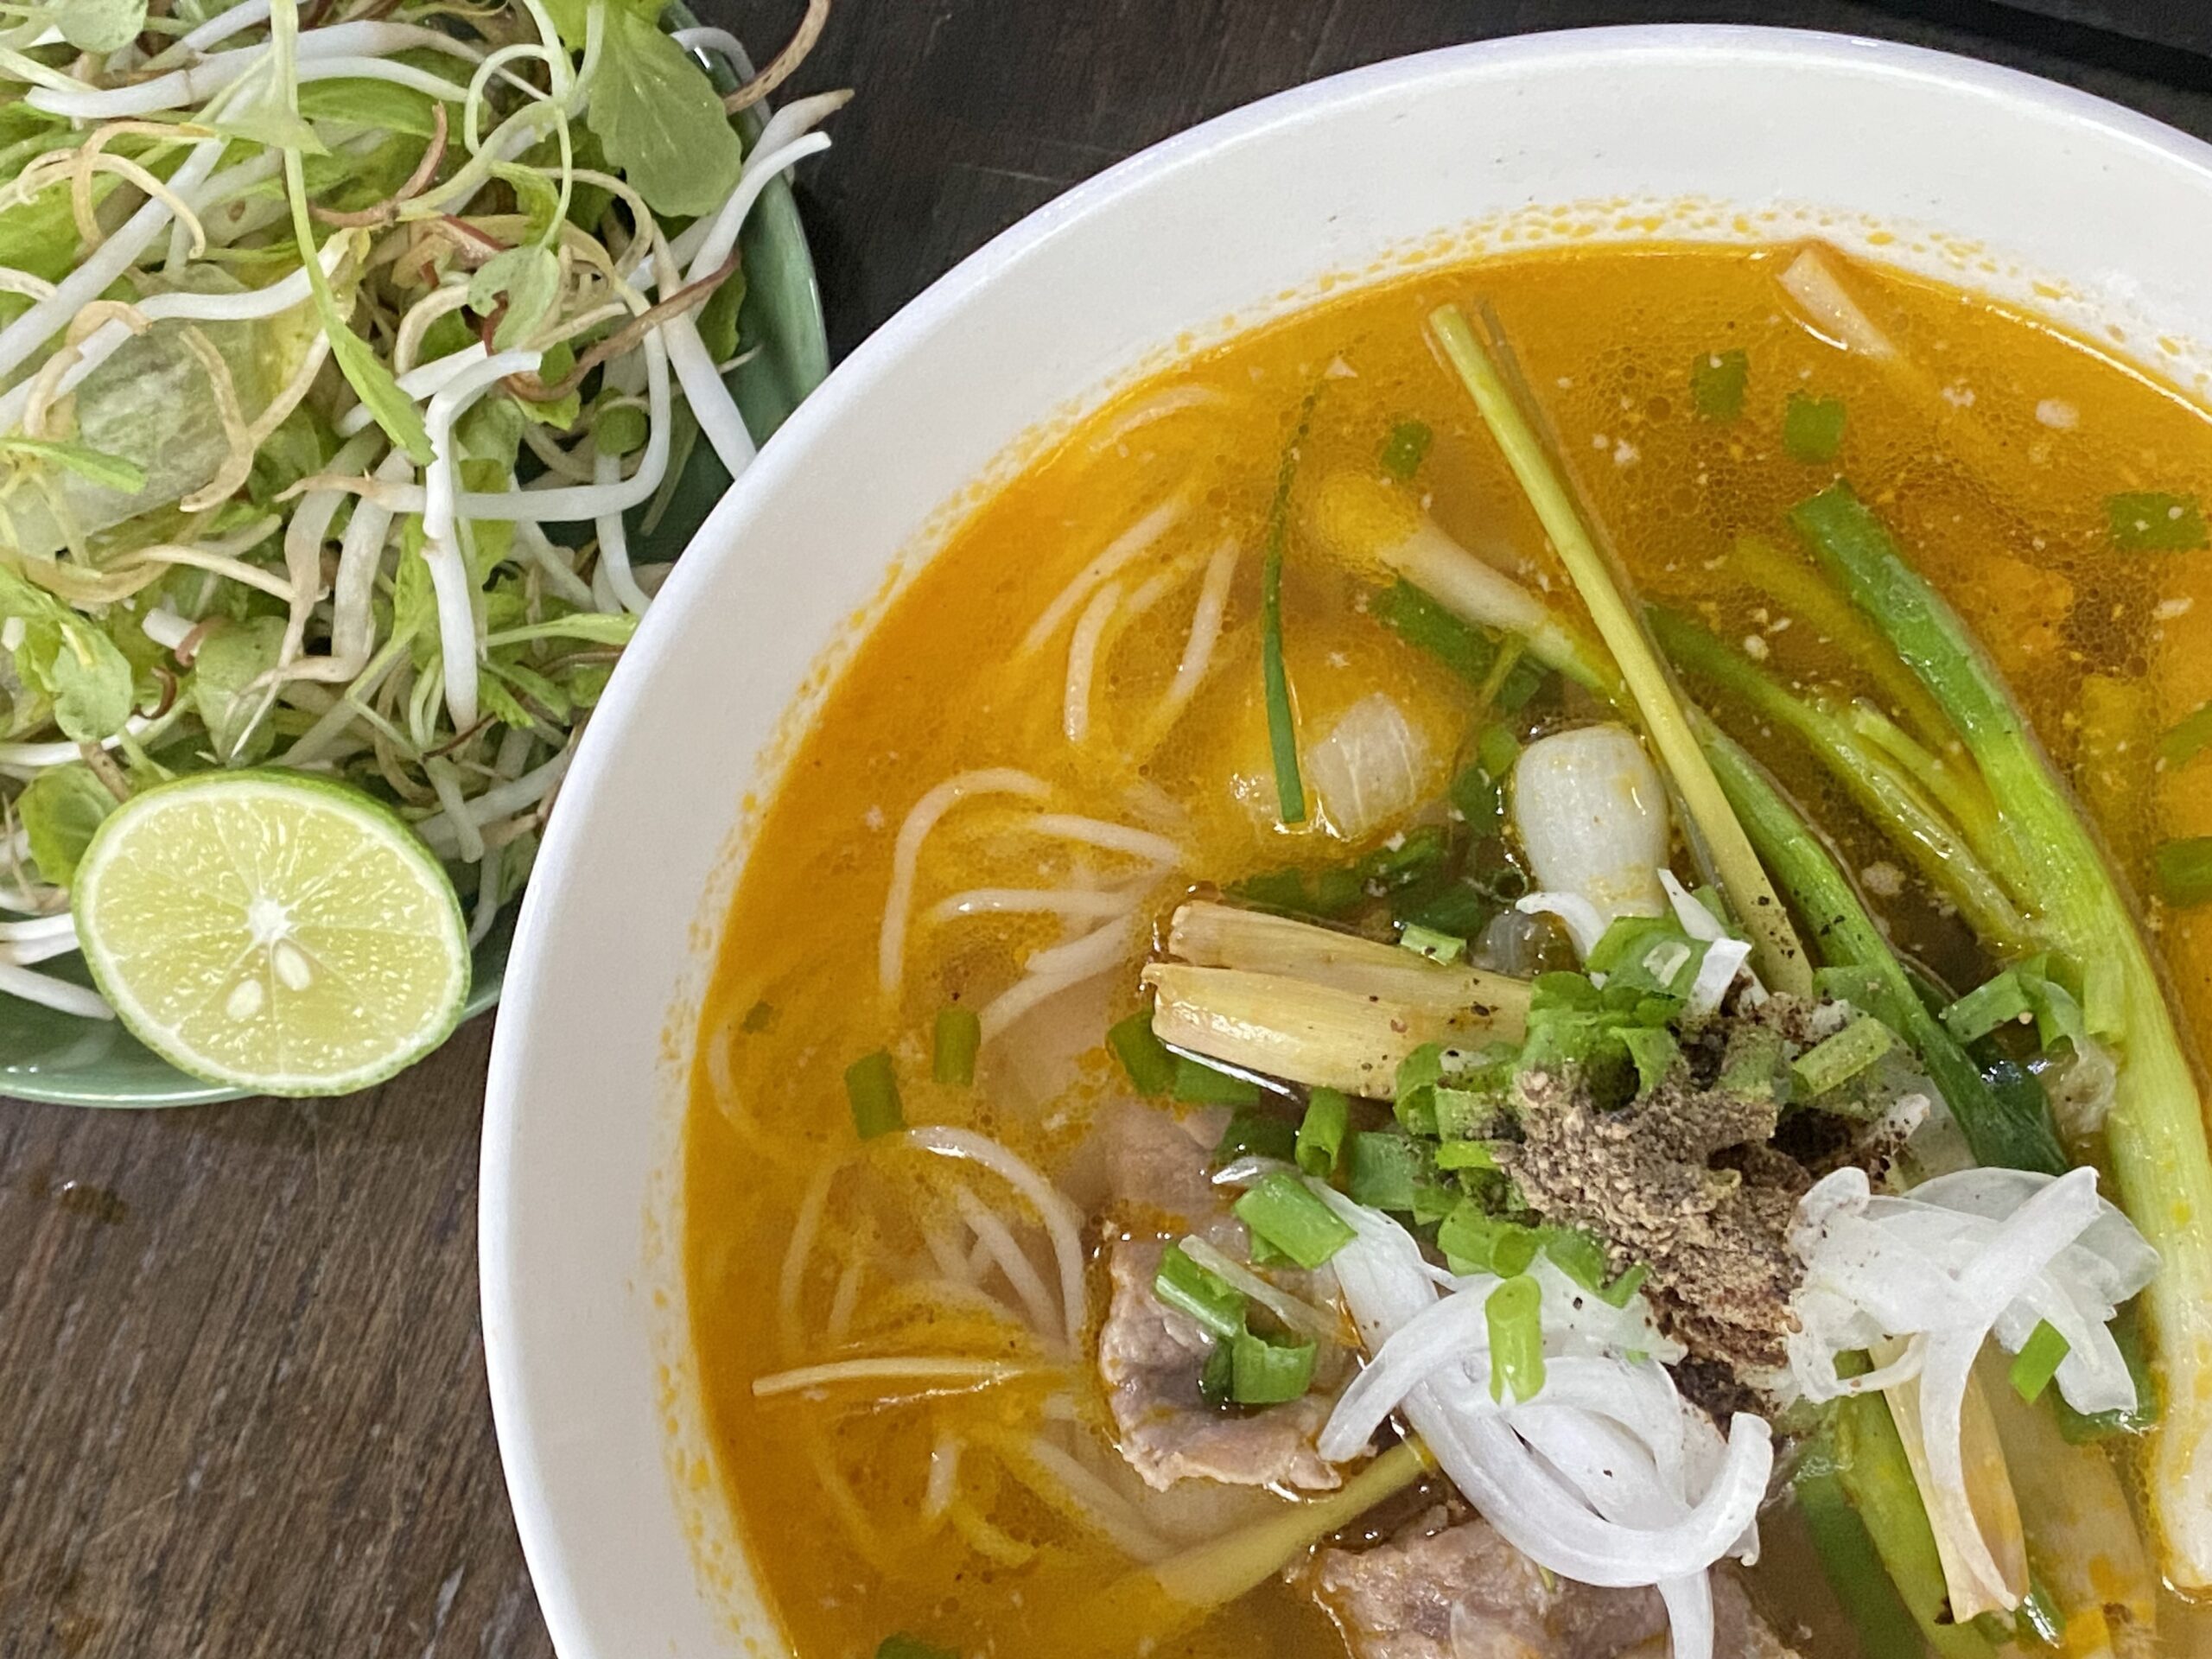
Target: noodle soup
[(1483, 973)]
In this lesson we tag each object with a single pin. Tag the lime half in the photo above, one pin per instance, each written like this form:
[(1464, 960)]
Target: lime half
[(272, 931)]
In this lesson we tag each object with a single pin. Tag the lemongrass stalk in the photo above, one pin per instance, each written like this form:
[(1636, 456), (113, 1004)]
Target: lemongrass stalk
[(1781, 957), (1221, 936), (1867, 775), (1998, 1130), (2156, 1128), (1149, 1605), (1278, 1027)]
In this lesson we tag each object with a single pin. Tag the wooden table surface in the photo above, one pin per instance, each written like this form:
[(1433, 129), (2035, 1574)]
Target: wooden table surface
[(242, 1406)]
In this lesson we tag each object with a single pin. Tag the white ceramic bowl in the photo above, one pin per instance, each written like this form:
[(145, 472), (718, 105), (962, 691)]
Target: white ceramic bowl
[(2080, 209)]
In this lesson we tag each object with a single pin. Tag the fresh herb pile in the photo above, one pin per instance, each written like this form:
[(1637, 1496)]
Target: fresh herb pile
[(342, 350)]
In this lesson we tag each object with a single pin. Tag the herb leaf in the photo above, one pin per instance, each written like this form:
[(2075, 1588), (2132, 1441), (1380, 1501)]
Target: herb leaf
[(660, 120)]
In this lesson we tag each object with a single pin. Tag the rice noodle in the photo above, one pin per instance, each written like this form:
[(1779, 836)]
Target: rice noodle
[(1811, 281), (1056, 901), (1092, 952), (1108, 836), (1063, 1222), (939, 1374), (1083, 662), (1206, 617), (922, 818), (806, 1224), (945, 1478), (997, 1241), (1119, 552), (1080, 1494)]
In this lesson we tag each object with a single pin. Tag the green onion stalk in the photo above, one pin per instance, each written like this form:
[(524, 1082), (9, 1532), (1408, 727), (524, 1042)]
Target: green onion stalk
[(333, 353), (2155, 1130)]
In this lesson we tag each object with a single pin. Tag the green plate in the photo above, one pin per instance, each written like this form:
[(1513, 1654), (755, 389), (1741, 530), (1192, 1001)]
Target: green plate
[(55, 1057)]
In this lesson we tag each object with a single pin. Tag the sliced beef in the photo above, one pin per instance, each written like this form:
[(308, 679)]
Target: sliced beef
[(1441, 1590), (1151, 1356)]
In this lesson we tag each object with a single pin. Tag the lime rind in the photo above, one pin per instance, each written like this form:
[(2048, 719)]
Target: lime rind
[(273, 932)]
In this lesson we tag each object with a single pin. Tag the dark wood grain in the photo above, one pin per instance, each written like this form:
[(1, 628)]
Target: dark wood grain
[(242, 1405)]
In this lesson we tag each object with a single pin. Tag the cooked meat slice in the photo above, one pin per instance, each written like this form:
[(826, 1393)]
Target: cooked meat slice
[(1157, 1167), (1150, 1357), (1158, 1172), (1446, 1590)]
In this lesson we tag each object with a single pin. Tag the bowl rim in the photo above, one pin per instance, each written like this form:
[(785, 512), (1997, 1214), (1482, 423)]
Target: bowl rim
[(1942, 75)]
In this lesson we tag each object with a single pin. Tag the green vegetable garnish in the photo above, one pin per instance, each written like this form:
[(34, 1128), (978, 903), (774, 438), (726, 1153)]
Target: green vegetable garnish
[(1811, 428), (1280, 1208), (871, 1090), (959, 1035), (2148, 522), (1717, 384)]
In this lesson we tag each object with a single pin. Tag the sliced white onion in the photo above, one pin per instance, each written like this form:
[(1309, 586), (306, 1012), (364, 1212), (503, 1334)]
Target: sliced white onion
[(1724, 960)]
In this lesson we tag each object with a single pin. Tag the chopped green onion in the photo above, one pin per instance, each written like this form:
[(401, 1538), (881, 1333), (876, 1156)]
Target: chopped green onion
[(1383, 1170), (1206, 1297), (2040, 1619), (906, 1647), (1199, 1084), (1219, 1375), (2184, 870), (1426, 942), (1466, 1154), (1835, 1061), (1283, 1210), (1150, 1067), (2148, 521), (1717, 384), (1274, 675), (1254, 1135), (1472, 653), (1478, 800), (2188, 738), (1996, 1002), (1406, 448), (2038, 1361), (1850, 1561), (872, 1087), (1498, 751), (959, 1035), (1514, 1313), (1321, 1131), (1474, 1241), (1266, 1371), (2083, 1427), (1811, 428)]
